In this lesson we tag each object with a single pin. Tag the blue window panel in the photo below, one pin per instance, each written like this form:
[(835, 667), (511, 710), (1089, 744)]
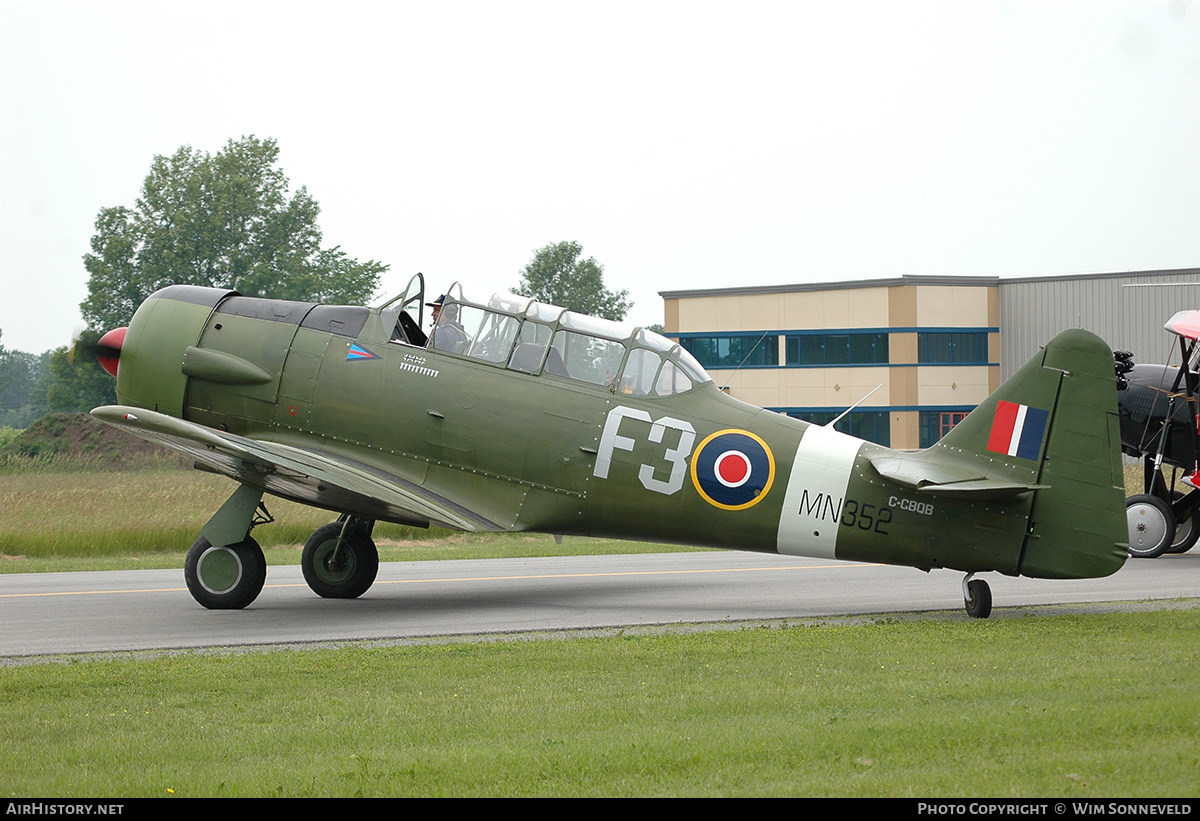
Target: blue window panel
[(833, 349), (952, 348), (731, 351)]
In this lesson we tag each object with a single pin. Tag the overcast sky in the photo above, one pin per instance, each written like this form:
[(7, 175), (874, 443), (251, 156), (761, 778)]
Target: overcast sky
[(684, 144)]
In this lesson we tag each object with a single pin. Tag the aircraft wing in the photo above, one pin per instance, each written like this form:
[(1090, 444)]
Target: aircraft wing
[(922, 471), (307, 476), (1185, 324)]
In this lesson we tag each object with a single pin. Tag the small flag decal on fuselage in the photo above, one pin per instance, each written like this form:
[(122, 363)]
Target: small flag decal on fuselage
[(1018, 430), (359, 352)]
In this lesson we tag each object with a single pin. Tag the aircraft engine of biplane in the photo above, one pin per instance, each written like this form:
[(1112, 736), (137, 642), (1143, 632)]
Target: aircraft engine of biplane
[(1158, 412)]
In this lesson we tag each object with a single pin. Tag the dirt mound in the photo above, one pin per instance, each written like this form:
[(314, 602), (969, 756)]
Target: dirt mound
[(78, 435)]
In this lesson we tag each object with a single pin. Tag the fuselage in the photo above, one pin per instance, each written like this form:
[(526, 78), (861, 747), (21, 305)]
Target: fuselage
[(546, 422)]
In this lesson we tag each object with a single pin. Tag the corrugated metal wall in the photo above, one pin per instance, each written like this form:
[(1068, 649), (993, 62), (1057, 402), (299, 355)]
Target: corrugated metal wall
[(1126, 310)]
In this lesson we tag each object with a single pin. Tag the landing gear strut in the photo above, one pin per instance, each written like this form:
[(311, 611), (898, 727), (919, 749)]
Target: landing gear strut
[(977, 596), (229, 574)]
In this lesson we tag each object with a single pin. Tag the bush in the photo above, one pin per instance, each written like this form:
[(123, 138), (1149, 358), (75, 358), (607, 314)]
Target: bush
[(7, 435)]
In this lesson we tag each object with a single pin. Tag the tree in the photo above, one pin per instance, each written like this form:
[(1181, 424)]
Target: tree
[(557, 275), (78, 382), (22, 387), (222, 220)]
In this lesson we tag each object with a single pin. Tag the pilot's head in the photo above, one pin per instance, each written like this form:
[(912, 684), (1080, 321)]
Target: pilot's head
[(436, 307)]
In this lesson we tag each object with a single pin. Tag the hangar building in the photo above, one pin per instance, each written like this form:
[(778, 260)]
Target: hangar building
[(930, 348)]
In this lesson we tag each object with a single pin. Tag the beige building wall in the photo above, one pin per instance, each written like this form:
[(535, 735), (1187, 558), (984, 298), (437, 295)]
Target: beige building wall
[(908, 303), (806, 387), (1033, 309), (953, 384), (951, 307), (795, 311)]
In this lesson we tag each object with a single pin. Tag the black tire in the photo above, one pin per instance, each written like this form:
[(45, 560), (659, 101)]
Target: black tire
[(979, 599), (1151, 526), (1186, 532), (346, 576), (226, 577)]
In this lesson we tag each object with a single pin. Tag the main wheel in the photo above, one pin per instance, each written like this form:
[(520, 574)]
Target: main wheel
[(1151, 526), (344, 573), (225, 577), (979, 599), (1186, 532)]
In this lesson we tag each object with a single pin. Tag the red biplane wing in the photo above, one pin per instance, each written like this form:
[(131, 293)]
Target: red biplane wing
[(1185, 324)]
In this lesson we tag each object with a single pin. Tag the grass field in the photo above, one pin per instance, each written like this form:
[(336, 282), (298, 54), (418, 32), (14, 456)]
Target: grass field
[(1089, 706), (95, 519)]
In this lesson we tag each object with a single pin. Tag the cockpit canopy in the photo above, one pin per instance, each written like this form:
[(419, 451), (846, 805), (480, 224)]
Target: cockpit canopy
[(519, 334)]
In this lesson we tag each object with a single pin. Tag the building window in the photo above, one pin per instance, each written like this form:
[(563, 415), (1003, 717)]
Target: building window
[(952, 348), (755, 350), (874, 426), (937, 423), (823, 350)]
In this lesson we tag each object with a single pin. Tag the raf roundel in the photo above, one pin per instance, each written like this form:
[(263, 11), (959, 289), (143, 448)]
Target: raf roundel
[(733, 469)]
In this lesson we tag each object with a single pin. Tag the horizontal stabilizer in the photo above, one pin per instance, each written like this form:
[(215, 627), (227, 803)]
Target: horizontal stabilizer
[(923, 472)]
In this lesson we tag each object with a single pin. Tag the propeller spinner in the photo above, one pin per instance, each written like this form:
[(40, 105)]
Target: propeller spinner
[(108, 349)]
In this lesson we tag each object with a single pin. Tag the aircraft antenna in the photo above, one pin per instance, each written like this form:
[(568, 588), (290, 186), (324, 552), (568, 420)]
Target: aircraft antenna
[(744, 358), (838, 418)]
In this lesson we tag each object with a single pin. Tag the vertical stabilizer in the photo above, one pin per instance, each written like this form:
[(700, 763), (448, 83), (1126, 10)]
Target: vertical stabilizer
[(1055, 424)]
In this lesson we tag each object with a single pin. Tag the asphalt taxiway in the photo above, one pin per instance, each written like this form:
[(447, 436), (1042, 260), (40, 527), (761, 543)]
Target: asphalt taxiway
[(69, 613)]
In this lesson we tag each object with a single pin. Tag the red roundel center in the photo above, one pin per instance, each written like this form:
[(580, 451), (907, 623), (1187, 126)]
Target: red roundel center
[(733, 468)]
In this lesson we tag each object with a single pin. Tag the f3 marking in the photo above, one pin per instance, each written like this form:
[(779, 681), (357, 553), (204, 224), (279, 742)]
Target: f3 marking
[(610, 440), (731, 469)]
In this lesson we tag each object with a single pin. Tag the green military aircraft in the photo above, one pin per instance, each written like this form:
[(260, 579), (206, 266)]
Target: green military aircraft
[(519, 416)]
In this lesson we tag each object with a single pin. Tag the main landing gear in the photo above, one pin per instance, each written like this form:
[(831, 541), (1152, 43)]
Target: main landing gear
[(1156, 527), (225, 577), (1151, 526), (977, 596), (339, 560), (1163, 519)]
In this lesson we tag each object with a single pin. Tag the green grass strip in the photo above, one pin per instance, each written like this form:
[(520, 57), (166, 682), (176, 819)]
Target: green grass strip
[(1072, 706)]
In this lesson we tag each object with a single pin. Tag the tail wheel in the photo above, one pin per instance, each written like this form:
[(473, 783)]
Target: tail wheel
[(978, 598), (339, 572), (225, 577), (1151, 526)]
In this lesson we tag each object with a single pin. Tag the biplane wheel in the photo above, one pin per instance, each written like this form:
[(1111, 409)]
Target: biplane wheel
[(978, 599), (1151, 526), (1186, 532), (226, 577), (339, 574), (1186, 535)]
